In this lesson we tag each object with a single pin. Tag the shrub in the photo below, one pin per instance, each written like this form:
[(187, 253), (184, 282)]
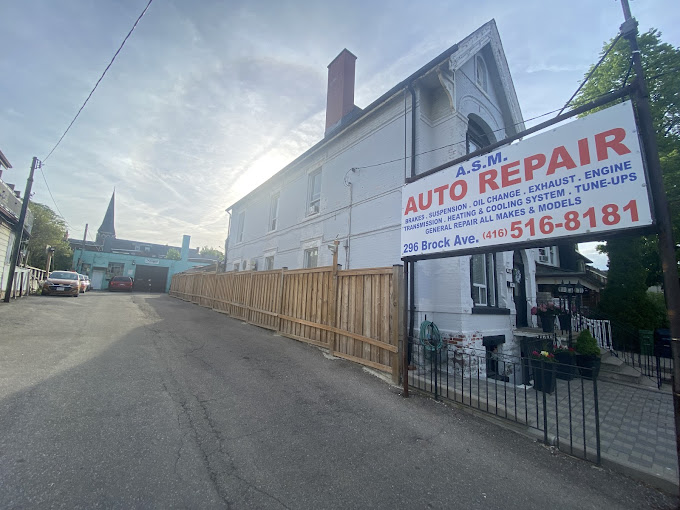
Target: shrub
[(586, 344)]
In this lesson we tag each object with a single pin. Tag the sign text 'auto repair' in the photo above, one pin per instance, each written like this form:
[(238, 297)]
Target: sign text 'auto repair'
[(585, 177)]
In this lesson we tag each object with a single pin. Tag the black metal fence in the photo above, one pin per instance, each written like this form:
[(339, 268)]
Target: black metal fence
[(554, 398)]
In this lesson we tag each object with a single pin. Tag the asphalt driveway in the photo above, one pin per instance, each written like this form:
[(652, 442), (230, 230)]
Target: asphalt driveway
[(145, 401)]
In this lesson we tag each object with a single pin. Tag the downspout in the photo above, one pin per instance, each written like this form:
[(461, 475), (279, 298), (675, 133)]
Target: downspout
[(412, 272), (226, 241)]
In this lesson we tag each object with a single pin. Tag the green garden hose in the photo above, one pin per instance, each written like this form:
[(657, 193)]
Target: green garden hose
[(430, 337)]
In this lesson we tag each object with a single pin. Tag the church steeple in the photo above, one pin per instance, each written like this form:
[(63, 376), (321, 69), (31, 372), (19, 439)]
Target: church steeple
[(107, 228)]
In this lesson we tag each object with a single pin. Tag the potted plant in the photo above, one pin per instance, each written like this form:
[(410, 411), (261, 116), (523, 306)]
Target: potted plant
[(587, 355), (547, 312), (543, 367), (566, 362)]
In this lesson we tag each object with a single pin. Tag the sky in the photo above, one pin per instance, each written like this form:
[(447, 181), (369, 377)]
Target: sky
[(208, 99)]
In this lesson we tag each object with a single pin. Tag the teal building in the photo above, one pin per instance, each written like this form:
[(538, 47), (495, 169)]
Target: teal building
[(146, 263)]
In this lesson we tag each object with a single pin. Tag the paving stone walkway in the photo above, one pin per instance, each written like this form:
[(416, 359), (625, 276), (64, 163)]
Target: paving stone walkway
[(636, 424)]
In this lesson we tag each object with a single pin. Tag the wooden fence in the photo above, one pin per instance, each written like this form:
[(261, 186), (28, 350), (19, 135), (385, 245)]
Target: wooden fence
[(355, 314)]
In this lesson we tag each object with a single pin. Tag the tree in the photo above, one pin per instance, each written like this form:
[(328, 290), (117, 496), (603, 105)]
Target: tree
[(634, 262), (661, 63), (211, 252), (173, 254), (49, 229)]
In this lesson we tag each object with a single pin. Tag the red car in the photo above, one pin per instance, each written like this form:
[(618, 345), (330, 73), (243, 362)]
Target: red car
[(120, 283)]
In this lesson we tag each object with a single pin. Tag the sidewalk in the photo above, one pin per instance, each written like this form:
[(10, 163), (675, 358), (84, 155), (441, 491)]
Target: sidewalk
[(637, 427)]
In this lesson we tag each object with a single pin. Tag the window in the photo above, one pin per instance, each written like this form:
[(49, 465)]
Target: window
[(476, 137), (237, 265), (481, 74), (240, 221), (482, 267), (115, 268), (483, 279), (314, 192), (311, 257), (274, 212), (547, 256), (244, 265), (269, 263)]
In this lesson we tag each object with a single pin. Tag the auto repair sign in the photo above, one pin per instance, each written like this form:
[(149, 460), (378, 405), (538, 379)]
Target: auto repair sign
[(583, 179)]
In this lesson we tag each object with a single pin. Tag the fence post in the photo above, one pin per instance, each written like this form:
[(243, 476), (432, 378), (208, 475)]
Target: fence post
[(248, 296), (279, 305), (397, 332), (334, 298), (214, 288)]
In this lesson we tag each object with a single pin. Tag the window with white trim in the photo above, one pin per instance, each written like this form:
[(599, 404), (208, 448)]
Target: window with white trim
[(547, 255), (483, 279), (274, 212), (311, 258), (269, 263), (240, 222), (314, 192)]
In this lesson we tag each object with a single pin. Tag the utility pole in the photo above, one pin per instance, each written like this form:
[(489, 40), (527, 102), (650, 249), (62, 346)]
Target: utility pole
[(22, 219), (50, 251), (666, 243), (82, 249)]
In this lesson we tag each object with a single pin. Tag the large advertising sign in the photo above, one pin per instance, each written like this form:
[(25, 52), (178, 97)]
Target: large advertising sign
[(583, 179)]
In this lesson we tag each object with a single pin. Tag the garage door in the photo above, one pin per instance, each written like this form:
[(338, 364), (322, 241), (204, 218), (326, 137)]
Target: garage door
[(150, 279)]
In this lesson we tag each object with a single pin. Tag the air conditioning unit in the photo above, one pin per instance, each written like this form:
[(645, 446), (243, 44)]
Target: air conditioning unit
[(544, 258), (314, 208)]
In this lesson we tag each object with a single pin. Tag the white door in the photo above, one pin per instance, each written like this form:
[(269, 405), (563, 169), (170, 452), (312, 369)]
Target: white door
[(97, 278)]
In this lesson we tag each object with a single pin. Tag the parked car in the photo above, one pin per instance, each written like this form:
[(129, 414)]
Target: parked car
[(120, 283), (62, 283), (86, 284)]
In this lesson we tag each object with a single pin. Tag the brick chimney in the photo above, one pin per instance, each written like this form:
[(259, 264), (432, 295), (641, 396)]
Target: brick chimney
[(340, 98)]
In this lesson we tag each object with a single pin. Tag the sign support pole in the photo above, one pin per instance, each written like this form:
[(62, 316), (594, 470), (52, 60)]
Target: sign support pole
[(666, 244)]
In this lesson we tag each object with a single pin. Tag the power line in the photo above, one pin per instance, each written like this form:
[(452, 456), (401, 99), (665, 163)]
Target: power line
[(99, 80), (611, 46), (53, 200), (462, 141)]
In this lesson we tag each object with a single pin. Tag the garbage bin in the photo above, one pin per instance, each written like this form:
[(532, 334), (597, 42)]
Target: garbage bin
[(646, 342), (662, 343)]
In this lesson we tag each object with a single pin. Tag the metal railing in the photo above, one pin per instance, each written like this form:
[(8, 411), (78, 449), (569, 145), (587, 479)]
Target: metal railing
[(637, 349), (560, 403)]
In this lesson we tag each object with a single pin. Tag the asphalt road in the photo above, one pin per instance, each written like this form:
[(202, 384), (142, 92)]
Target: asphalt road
[(145, 401)]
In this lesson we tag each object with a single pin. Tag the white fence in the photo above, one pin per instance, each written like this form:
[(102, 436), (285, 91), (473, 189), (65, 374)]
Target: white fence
[(600, 329)]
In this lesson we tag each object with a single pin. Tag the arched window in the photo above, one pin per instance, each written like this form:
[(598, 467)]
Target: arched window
[(480, 73), (476, 137)]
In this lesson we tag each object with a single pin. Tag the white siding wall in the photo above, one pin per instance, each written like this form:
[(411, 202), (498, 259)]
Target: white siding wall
[(443, 290), (5, 237)]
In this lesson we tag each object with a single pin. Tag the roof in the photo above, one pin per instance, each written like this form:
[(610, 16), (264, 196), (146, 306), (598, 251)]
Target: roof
[(357, 113), (126, 246), (4, 161), (108, 224)]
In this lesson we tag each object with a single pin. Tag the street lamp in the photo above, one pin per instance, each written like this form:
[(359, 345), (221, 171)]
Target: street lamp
[(567, 290)]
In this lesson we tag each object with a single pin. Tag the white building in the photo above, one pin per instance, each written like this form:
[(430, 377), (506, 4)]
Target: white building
[(348, 187)]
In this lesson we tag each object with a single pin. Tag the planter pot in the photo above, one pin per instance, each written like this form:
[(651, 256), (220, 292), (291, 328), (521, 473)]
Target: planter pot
[(566, 366), (544, 375), (548, 324), (588, 366)]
